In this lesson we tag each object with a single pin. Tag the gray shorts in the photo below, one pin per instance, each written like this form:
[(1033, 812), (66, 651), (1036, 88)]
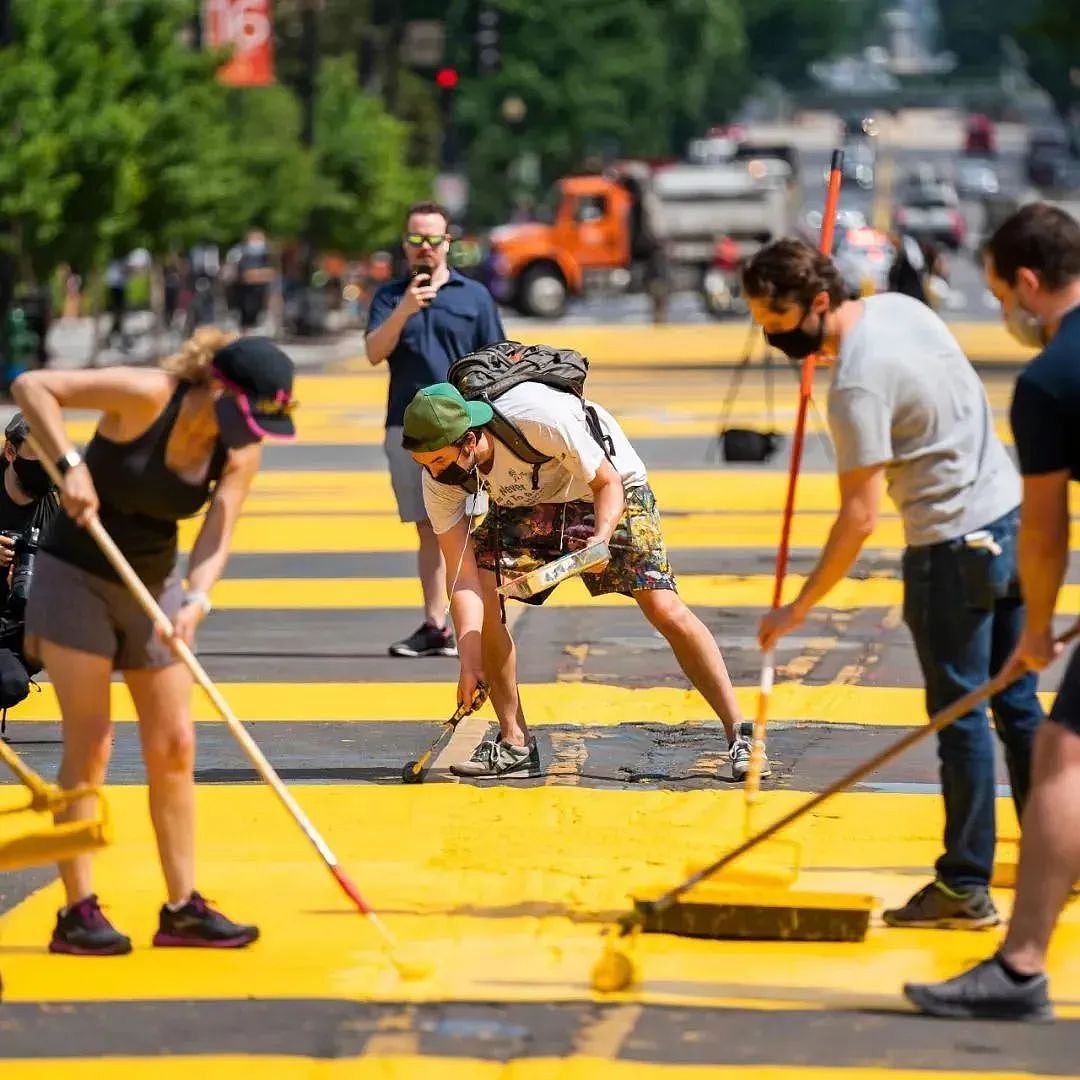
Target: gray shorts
[(79, 610), (405, 477)]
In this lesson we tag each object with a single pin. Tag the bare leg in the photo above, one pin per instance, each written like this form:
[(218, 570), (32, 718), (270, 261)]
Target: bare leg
[(1049, 848), (500, 666), (81, 682), (696, 650), (432, 575), (162, 699)]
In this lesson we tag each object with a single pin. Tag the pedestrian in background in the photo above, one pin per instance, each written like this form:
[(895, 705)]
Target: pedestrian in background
[(419, 325)]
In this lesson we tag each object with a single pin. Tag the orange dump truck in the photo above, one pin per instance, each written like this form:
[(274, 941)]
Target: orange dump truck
[(587, 243)]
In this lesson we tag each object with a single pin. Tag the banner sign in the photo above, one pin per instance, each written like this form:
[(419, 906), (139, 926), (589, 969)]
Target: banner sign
[(246, 27)]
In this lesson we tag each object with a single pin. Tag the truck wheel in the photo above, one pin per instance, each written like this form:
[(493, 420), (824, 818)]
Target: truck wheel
[(542, 293)]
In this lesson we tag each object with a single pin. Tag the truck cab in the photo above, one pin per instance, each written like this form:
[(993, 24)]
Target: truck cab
[(537, 266)]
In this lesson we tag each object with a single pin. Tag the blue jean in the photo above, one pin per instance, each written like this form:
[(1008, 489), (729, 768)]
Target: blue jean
[(964, 611)]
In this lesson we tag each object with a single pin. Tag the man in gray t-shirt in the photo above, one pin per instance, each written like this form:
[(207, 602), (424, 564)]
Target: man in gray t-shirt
[(908, 414)]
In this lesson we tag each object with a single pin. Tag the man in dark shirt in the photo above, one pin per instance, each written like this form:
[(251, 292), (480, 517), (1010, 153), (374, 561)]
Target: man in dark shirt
[(1033, 268), (27, 503), (420, 325)]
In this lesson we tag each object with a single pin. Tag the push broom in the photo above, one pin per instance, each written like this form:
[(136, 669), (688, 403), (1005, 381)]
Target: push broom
[(54, 843), (408, 967), (615, 970)]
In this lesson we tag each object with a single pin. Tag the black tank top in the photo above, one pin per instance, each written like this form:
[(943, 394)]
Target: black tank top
[(141, 501)]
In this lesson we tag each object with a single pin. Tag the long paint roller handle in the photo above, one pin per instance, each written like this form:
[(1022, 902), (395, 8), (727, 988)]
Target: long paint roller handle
[(938, 722)]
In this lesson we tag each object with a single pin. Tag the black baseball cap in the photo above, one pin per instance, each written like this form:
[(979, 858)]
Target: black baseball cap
[(17, 430), (260, 375)]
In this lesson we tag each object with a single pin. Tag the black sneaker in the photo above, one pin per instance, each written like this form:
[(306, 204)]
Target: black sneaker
[(497, 758), (83, 930), (741, 749), (198, 925), (986, 992), (427, 641), (937, 907)]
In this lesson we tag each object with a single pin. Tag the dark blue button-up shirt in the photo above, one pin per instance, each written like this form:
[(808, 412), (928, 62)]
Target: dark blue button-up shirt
[(461, 319)]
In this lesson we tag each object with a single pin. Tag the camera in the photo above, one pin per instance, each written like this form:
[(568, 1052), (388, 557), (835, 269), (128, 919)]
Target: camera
[(22, 568)]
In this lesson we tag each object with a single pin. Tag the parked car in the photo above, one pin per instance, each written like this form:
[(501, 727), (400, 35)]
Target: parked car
[(933, 211), (976, 177), (858, 167), (863, 256), (980, 137)]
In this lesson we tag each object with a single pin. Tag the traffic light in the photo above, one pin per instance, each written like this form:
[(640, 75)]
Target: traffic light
[(488, 56), (446, 79)]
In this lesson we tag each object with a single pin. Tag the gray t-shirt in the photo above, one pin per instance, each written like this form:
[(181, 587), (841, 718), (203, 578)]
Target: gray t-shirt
[(904, 395)]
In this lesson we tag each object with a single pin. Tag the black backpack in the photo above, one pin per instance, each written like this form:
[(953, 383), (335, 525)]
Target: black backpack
[(487, 374)]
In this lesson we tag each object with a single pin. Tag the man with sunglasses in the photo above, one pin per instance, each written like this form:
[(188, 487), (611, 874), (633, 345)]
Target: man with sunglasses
[(907, 413), (420, 324)]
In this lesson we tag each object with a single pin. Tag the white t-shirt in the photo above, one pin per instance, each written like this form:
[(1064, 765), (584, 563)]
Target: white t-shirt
[(554, 424)]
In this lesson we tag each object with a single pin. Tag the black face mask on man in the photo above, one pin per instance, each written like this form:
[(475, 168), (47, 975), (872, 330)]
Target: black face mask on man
[(32, 477), (797, 343), (456, 475)]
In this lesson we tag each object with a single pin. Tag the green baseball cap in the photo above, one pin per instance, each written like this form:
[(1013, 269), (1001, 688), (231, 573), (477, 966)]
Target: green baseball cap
[(438, 416)]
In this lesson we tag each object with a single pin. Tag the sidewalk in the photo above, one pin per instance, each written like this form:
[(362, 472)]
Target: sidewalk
[(71, 345)]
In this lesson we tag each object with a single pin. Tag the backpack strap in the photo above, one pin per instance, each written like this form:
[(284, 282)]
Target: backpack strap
[(510, 435)]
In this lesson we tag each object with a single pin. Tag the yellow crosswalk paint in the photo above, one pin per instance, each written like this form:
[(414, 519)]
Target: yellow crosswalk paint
[(698, 590), (545, 704), (506, 899)]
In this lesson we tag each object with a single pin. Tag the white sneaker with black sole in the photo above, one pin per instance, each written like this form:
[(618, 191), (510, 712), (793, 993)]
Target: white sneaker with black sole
[(740, 751)]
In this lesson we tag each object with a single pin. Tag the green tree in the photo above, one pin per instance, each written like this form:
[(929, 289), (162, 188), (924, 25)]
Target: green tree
[(363, 184), (68, 180), (608, 78), (784, 37), (1051, 39)]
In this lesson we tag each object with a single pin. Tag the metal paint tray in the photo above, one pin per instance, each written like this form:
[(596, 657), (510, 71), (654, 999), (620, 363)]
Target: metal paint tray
[(550, 574)]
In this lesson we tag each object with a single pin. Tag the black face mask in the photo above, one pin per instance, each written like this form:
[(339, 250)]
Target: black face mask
[(32, 477), (455, 475), (797, 343)]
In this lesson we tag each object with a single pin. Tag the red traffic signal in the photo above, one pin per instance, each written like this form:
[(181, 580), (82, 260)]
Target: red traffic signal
[(446, 78)]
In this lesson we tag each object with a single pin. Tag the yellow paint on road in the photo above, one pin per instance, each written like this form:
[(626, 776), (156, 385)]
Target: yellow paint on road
[(546, 704), (411, 1067), (506, 892), (284, 533), (698, 590)]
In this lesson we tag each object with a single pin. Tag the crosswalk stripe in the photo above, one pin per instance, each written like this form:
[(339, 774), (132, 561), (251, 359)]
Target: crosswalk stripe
[(545, 703)]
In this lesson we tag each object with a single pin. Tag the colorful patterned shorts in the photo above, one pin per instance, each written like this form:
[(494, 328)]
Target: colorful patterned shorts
[(529, 536)]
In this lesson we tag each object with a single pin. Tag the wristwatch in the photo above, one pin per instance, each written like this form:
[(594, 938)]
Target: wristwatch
[(68, 461), (198, 597)]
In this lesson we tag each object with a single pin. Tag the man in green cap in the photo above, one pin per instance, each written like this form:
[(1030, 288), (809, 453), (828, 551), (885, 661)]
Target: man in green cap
[(583, 492)]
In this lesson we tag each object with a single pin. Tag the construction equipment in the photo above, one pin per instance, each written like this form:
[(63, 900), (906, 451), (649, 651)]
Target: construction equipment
[(414, 772), (407, 967), (54, 843), (814, 918)]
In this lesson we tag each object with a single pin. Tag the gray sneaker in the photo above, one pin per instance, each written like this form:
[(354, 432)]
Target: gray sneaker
[(937, 907), (740, 751), (497, 758), (986, 992)]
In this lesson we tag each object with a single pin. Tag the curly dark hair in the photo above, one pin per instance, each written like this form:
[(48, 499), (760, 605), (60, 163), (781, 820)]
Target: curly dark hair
[(1039, 237), (792, 271)]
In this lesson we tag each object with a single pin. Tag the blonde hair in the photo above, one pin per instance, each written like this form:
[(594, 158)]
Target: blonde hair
[(192, 361)]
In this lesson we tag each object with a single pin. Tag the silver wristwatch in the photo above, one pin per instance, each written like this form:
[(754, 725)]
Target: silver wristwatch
[(68, 461), (199, 598)]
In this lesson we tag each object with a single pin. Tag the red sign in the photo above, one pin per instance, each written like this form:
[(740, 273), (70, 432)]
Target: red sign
[(245, 27)]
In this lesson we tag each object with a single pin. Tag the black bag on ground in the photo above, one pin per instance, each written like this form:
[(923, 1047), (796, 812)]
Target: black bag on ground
[(487, 374), (745, 444)]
